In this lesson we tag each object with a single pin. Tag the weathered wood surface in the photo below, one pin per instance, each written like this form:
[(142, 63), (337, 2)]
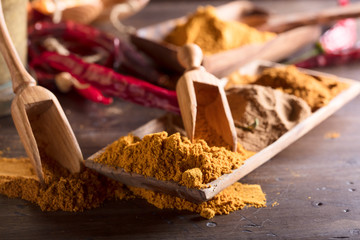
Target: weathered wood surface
[(316, 181)]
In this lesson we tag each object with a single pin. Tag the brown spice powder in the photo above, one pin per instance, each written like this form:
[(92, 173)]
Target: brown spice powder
[(262, 114), (316, 91)]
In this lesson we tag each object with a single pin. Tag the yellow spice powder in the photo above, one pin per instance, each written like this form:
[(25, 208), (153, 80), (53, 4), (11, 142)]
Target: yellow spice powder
[(170, 158), (61, 191), (214, 35), (332, 135), (86, 190), (233, 198)]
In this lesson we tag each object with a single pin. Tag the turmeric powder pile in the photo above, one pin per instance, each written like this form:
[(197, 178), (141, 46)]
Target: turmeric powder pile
[(214, 35), (77, 192), (233, 198), (170, 158), (61, 191), (316, 91)]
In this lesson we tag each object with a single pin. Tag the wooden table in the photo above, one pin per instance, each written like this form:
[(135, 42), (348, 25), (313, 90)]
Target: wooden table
[(315, 181)]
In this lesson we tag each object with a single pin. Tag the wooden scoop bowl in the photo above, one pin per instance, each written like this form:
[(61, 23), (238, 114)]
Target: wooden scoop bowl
[(203, 104), (38, 117)]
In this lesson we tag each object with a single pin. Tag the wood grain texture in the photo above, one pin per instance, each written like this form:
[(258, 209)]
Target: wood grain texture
[(202, 100), (315, 181)]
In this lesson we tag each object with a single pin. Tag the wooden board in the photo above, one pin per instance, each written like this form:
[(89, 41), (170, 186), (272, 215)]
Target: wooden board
[(172, 124), (150, 40)]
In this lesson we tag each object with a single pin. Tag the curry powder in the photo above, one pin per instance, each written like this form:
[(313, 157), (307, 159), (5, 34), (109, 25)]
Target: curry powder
[(214, 35), (77, 192), (62, 190), (168, 158), (233, 198)]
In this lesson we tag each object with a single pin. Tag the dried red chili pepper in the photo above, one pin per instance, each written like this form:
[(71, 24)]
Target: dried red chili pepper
[(109, 82), (332, 59), (94, 94), (81, 40)]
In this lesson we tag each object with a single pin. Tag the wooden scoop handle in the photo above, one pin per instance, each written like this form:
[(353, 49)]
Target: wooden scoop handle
[(203, 104), (286, 22), (20, 77), (190, 56)]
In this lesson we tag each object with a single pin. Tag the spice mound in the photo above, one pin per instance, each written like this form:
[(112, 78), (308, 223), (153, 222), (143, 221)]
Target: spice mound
[(316, 91), (214, 35), (86, 190), (172, 158), (61, 191), (262, 114), (234, 197)]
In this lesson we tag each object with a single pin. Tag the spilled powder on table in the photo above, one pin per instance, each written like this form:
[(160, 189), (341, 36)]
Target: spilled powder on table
[(233, 198), (61, 191), (12, 167), (214, 35), (86, 190), (169, 157), (262, 114), (332, 135)]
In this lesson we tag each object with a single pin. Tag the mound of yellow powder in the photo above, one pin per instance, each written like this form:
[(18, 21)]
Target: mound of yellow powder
[(214, 35), (61, 191), (170, 158), (233, 198)]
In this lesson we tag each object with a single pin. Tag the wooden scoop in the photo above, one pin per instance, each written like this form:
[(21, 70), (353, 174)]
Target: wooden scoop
[(203, 104), (198, 91), (282, 23), (37, 114)]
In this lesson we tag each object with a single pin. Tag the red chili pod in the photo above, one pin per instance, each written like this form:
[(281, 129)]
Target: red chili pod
[(110, 82), (94, 95)]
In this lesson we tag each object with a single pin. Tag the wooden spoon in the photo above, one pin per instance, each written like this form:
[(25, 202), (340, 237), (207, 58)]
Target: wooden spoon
[(282, 23), (203, 104), (38, 117)]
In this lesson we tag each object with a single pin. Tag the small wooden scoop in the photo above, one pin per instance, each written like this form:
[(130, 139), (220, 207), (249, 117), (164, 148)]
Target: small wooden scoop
[(37, 114), (198, 91), (203, 104)]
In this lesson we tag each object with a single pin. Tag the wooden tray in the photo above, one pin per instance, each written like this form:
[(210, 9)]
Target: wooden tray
[(172, 124), (150, 40)]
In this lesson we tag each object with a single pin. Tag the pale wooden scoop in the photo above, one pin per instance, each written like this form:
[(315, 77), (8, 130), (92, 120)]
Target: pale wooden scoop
[(38, 117), (203, 104), (198, 90)]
